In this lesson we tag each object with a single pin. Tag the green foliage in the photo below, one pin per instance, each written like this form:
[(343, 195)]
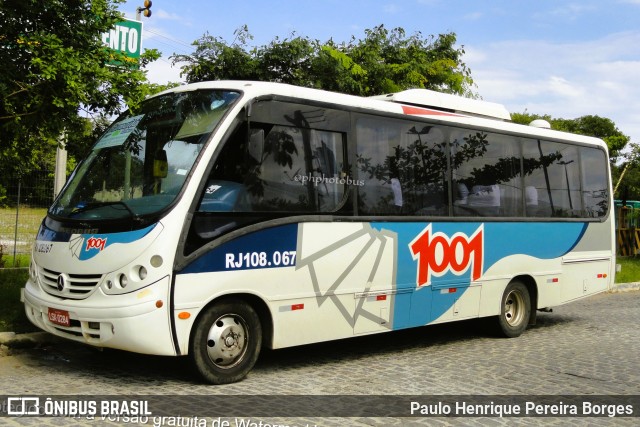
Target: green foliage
[(630, 271), (53, 68), (383, 61), (12, 316), (215, 60), (3, 196), (53, 62), (600, 127), (526, 118), (626, 176)]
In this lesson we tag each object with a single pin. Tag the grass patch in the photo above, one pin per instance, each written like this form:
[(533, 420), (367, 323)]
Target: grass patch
[(29, 220), (630, 271), (20, 261), (17, 237), (12, 317)]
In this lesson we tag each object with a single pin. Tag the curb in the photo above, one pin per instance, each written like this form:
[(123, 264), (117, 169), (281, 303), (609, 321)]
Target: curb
[(625, 287), (28, 340), (36, 339)]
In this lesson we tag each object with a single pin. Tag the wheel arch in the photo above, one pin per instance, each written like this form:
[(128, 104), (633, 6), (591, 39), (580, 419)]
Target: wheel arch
[(257, 303)]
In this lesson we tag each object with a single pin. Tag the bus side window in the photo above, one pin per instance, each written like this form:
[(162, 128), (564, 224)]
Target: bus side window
[(402, 168), (486, 170), (531, 200), (594, 182), (299, 171), (553, 169), (225, 189)]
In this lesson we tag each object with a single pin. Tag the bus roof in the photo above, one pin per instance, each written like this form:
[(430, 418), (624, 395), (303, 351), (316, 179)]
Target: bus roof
[(448, 102), (416, 102)]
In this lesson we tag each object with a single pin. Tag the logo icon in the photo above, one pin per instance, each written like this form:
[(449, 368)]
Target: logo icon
[(438, 254), (96, 243), (61, 282), (23, 406)]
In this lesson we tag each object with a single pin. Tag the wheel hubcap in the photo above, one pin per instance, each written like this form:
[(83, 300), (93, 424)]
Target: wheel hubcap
[(514, 308), (227, 341)]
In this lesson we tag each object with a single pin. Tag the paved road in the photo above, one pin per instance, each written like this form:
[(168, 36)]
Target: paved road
[(589, 347)]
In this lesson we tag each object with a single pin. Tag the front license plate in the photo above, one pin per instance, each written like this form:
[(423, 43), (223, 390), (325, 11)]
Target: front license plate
[(59, 317)]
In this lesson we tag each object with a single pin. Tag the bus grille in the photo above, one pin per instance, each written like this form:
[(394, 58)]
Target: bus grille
[(75, 286)]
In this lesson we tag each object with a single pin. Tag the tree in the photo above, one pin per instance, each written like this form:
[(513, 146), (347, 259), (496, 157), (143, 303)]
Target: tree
[(390, 61), (383, 61), (626, 175), (54, 65), (55, 81)]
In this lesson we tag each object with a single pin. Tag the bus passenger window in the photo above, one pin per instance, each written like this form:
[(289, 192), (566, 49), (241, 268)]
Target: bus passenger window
[(594, 182), (553, 170), (402, 168), (531, 200), (301, 170), (486, 170), (298, 170)]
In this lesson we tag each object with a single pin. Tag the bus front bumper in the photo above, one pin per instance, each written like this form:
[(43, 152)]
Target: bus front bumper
[(137, 322)]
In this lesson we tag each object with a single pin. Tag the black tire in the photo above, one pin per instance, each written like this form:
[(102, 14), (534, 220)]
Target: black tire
[(226, 342), (515, 310)]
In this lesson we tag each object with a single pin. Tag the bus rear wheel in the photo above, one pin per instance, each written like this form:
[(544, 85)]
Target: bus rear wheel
[(515, 310), (226, 342)]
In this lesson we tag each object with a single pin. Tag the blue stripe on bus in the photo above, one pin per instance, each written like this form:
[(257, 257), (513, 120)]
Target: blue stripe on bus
[(278, 244), (418, 305), (88, 250), (539, 240), (82, 246)]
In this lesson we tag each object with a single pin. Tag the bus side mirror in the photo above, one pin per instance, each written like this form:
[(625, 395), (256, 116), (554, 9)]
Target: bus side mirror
[(256, 144), (160, 164)]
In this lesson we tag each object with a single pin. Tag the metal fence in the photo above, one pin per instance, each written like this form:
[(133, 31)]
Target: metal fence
[(23, 204)]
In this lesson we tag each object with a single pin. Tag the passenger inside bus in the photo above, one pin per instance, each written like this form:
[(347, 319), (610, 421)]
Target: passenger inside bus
[(482, 200)]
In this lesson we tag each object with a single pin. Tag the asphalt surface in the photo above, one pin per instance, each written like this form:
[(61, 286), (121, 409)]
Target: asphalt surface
[(588, 348)]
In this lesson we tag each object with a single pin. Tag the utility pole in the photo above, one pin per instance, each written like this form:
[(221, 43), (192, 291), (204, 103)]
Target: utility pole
[(60, 174)]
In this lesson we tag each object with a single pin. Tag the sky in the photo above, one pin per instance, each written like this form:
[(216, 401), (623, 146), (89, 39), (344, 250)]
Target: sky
[(562, 58)]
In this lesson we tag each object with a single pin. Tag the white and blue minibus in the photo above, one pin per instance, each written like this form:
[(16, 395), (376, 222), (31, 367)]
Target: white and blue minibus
[(224, 217)]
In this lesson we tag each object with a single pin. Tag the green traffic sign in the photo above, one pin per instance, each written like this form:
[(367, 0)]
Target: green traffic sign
[(125, 39)]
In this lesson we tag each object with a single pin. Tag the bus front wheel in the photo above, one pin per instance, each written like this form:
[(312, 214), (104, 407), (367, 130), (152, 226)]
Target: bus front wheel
[(226, 342), (515, 309)]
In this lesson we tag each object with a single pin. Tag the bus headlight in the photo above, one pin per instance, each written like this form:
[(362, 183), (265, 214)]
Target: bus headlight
[(156, 261), (142, 273), (123, 281), (132, 277)]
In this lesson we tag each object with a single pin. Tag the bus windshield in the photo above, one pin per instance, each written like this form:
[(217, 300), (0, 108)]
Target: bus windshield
[(139, 165)]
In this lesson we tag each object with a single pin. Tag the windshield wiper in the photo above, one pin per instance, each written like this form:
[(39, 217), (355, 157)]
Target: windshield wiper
[(96, 205)]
